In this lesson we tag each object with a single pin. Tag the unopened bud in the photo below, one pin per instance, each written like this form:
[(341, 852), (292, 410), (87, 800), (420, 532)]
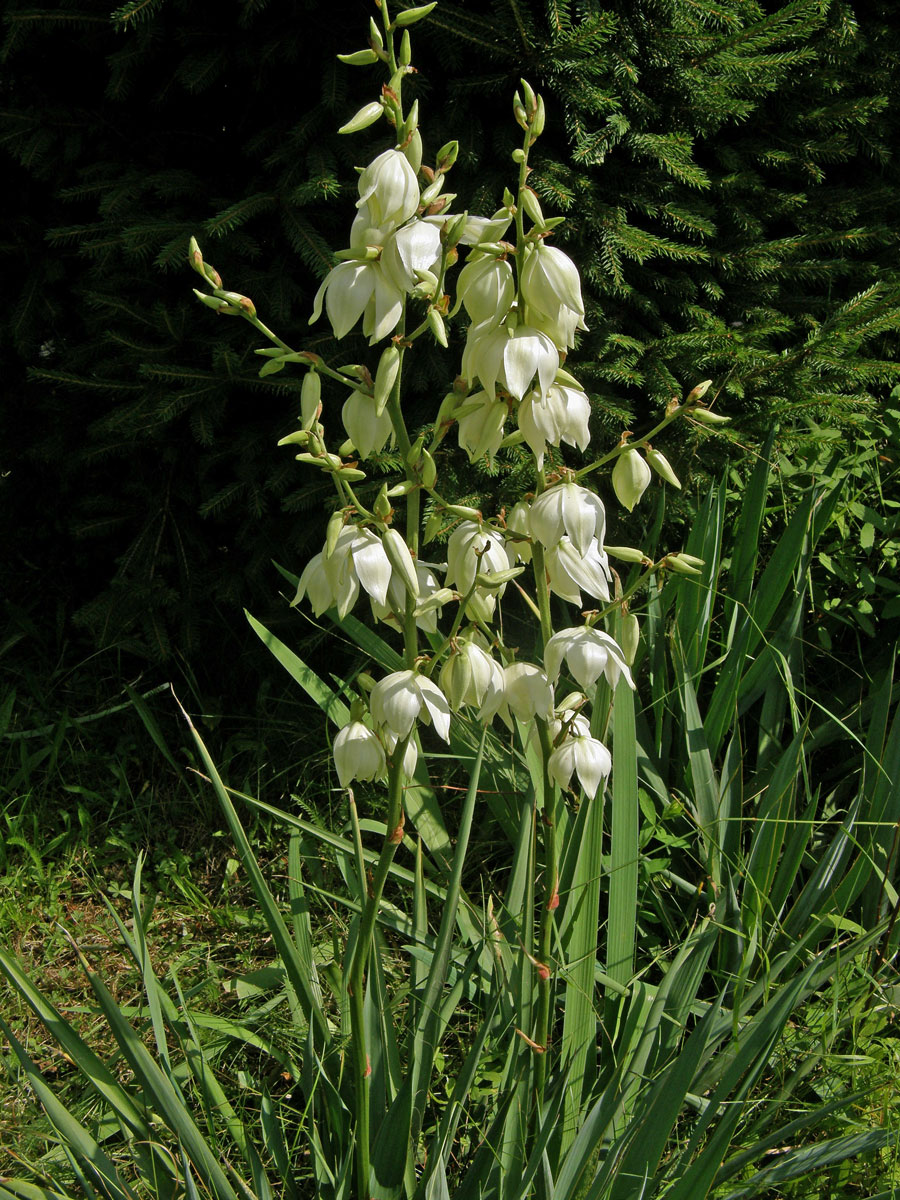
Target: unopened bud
[(698, 392), (528, 93), (464, 511), (359, 58), (494, 580), (351, 474), (410, 15), (532, 206), (401, 560), (629, 637), (405, 49), (662, 467), (332, 531), (366, 116), (683, 564), (212, 302), (626, 553), (447, 155), (386, 377), (437, 327), (429, 469), (630, 477), (432, 192), (539, 118), (401, 489), (299, 438), (375, 35), (415, 451), (433, 527), (518, 155), (454, 229), (382, 505), (413, 150), (707, 417), (310, 399)]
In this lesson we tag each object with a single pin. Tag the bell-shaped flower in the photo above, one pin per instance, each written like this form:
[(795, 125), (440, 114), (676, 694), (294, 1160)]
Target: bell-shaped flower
[(399, 699), (571, 573), (480, 427), (384, 307), (388, 186), (560, 416), (316, 586), (510, 357), (588, 653), (527, 691), (551, 289), (358, 754), (415, 247), (585, 757), (365, 428), (360, 551), (487, 289), (346, 291), (410, 753), (568, 509), (630, 478), (474, 549), (471, 677)]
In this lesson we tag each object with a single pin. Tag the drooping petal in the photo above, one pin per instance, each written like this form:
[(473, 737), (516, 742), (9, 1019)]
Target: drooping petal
[(348, 289)]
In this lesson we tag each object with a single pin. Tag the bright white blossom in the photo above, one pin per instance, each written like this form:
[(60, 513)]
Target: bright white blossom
[(551, 290), (474, 549), (389, 188), (399, 699), (333, 581), (588, 653), (480, 429), (471, 677), (486, 229), (358, 754), (432, 597), (527, 691), (410, 753), (510, 357), (415, 247), (586, 757), (571, 573), (560, 416), (487, 289), (365, 428), (568, 509)]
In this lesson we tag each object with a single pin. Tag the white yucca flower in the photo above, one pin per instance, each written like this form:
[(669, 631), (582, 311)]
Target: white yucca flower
[(389, 188), (487, 289), (432, 597), (560, 416), (528, 692), (631, 477), (570, 573), (398, 700), (333, 581), (366, 429), (585, 757), (588, 653), (551, 289), (471, 677), (358, 754), (474, 549), (511, 357), (568, 509)]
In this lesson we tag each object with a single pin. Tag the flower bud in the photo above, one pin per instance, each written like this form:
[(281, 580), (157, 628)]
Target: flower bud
[(662, 467), (518, 155), (401, 560), (532, 206), (415, 451), (413, 150), (212, 302), (447, 155), (626, 553), (698, 392), (366, 116), (359, 58), (332, 532), (630, 637), (310, 399), (405, 57), (539, 118), (433, 190), (705, 416), (428, 468), (410, 15), (683, 564), (436, 325), (386, 377), (300, 438), (381, 506), (630, 478)]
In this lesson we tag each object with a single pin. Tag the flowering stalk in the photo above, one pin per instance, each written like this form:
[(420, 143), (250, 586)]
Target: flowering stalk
[(524, 307)]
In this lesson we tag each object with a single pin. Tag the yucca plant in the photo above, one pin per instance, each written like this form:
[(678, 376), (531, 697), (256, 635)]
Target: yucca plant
[(570, 1023)]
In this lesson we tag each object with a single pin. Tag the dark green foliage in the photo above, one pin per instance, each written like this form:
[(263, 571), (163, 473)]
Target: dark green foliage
[(731, 195)]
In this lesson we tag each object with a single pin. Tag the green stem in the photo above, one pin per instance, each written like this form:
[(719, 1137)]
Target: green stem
[(356, 981), (551, 900)]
